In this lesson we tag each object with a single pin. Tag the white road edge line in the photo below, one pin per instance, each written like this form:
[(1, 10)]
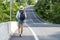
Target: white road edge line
[(35, 36)]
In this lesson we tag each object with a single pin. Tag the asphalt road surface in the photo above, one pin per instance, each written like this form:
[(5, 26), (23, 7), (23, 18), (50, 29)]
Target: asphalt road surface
[(37, 29)]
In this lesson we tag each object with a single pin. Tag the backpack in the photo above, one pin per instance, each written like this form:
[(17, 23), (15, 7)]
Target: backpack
[(22, 16)]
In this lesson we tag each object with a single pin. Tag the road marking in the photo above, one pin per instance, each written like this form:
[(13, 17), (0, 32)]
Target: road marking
[(35, 16), (35, 36), (31, 18)]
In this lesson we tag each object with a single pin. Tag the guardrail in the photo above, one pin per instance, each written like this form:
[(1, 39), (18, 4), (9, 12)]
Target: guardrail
[(4, 31), (7, 29)]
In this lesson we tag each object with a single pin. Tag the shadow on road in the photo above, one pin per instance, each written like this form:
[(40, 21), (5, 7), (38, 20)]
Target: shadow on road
[(55, 36), (43, 25), (22, 38)]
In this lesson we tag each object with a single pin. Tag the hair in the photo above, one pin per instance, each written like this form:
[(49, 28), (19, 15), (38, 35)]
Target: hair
[(21, 11)]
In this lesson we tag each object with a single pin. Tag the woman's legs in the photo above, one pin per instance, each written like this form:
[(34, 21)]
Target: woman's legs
[(22, 25), (19, 28)]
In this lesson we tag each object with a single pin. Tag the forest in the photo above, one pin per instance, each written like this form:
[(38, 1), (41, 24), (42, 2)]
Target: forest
[(48, 10)]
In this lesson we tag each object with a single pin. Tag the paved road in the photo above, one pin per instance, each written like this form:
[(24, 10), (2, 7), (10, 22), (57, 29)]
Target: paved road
[(37, 29)]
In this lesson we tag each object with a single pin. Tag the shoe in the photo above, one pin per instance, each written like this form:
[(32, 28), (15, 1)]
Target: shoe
[(20, 35)]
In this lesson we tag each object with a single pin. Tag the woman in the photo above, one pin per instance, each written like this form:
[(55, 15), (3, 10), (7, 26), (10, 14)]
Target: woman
[(20, 19)]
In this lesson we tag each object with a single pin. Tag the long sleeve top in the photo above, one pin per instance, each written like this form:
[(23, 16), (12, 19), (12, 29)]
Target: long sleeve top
[(18, 15)]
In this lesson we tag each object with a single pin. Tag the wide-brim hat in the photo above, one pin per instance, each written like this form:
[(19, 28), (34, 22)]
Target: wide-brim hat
[(21, 8)]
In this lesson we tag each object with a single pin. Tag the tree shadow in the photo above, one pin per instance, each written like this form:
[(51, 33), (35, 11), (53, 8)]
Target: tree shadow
[(14, 37), (43, 25), (55, 36)]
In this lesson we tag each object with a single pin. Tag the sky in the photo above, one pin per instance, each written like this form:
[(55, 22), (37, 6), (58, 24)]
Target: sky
[(36, 0)]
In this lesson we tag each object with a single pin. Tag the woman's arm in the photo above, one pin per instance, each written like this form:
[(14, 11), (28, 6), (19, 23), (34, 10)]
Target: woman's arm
[(17, 15)]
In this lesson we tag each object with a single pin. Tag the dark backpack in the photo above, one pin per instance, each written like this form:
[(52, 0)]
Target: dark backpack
[(22, 16)]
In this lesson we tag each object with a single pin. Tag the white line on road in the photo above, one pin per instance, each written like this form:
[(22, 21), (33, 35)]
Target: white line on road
[(35, 17), (35, 36)]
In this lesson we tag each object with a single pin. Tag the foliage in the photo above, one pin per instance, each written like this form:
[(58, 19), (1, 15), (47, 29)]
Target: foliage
[(31, 2), (5, 11), (44, 10), (21, 2)]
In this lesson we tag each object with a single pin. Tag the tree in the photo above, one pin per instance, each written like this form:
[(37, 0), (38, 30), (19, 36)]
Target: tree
[(43, 10), (21, 2), (31, 2), (5, 11)]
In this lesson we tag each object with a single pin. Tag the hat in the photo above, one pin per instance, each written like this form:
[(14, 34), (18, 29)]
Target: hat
[(21, 8)]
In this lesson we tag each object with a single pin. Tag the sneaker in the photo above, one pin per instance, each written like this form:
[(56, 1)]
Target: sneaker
[(20, 35)]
